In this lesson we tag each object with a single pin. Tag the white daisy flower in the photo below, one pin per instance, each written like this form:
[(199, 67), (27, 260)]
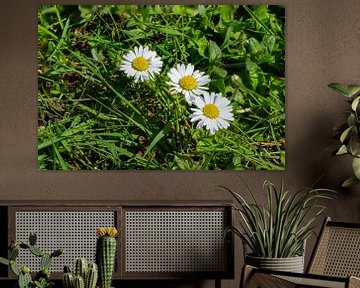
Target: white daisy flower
[(141, 63), (212, 111), (188, 81)]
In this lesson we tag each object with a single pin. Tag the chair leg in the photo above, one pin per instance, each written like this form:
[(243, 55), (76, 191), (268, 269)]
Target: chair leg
[(250, 278), (354, 282), (217, 282), (246, 273)]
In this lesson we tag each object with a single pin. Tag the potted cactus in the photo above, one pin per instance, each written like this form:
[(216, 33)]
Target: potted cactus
[(84, 275), (106, 254), (42, 278)]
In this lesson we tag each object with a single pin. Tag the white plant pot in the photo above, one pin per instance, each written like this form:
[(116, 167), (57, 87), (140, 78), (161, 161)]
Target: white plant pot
[(291, 264)]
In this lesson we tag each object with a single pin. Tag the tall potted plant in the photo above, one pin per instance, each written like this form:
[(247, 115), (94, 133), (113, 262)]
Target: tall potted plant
[(349, 132), (276, 233)]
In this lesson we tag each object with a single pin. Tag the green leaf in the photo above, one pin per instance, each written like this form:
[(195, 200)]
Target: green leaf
[(158, 137), (342, 150), (4, 261), (355, 103), (218, 85), (269, 42), (226, 12), (354, 145), (255, 46), (218, 72), (345, 134), (214, 51), (349, 182), (259, 18), (253, 70), (62, 39), (356, 167), (60, 159), (228, 34), (345, 90), (198, 37), (353, 89), (351, 120)]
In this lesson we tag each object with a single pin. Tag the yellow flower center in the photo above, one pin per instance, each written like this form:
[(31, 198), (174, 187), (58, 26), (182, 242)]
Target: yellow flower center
[(140, 64), (211, 111), (188, 82)]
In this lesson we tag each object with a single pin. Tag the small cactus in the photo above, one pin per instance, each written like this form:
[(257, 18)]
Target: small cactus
[(32, 238), (23, 273), (13, 253), (68, 280), (67, 269), (106, 254), (80, 268), (45, 261), (83, 274), (91, 276), (14, 268), (57, 252), (79, 282), (24, 277), (36, 251), (24, 246)]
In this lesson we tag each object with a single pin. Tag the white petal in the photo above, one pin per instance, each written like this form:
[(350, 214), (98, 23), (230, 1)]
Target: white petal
[(199, 102), (189, 69), (146, 51), (182, 70), (201, 123), (130, 56)]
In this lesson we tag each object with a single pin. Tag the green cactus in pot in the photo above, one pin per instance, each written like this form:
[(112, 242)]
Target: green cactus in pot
[(106, 254), (42, 277), (85, 275)]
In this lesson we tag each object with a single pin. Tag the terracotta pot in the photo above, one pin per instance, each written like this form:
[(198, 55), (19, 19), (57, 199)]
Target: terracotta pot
[(291, 264)]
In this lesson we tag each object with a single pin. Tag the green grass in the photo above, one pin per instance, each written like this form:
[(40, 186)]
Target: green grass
[(91, 116)]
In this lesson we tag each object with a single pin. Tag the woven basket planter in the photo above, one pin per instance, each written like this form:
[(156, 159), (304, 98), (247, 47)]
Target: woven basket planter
[(291, 264)]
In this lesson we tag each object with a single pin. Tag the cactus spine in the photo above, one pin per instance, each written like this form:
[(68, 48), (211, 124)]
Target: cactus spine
[(105, 255)]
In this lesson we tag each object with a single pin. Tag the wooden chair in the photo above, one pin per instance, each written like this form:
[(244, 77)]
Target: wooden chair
[(335, 262)]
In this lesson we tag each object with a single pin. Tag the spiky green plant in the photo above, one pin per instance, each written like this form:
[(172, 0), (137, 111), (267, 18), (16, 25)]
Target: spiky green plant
[(85, 274), (279, 229), (42, 278), (105, 255), (91, 275)]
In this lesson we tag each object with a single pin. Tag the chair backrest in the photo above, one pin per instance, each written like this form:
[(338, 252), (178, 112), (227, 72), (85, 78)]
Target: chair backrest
[(337, 251)]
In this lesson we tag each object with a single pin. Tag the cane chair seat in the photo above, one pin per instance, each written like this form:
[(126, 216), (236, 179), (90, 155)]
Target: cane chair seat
[(335, 262)]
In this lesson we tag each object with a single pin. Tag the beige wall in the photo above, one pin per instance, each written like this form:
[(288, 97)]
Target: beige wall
[(322, 46)]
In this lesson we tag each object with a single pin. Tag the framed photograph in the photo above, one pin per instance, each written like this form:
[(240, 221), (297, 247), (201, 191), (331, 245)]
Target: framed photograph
[(161, 87)]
